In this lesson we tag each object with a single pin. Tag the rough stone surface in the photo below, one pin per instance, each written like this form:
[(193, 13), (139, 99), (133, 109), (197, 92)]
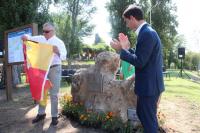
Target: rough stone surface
[(98, 89)]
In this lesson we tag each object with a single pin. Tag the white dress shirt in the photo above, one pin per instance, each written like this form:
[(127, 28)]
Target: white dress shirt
[(139, 28)]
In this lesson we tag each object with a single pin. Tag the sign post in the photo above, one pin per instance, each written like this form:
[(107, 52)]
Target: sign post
[(14, 51)]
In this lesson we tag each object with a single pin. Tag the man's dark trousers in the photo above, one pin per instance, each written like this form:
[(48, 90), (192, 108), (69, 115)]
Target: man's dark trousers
[(147, 113)]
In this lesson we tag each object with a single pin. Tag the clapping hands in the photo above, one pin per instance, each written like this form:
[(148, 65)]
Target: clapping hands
[(123, 39), (122, 43), (115, 44)]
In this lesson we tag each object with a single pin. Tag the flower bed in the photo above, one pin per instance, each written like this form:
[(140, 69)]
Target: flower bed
[(107, 121)]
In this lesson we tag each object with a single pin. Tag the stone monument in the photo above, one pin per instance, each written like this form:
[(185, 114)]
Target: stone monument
[(97, 88)]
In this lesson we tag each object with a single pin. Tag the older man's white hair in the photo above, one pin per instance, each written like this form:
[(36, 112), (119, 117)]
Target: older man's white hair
[(50, 25)]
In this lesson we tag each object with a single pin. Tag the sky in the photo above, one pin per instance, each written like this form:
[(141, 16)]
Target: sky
[(101, 20), (187, 17), (189, 23)]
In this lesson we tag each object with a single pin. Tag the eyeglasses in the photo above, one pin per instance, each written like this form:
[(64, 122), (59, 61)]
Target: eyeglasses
[(46, 31)]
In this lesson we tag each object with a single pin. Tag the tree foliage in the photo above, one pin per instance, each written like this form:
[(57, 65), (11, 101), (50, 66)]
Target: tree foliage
[(97, 39), (62, 21), (94, 50), (192, 60), (163, 19), (116, 9), (79, 13), (21, 12), (72, 21), (172, 53)]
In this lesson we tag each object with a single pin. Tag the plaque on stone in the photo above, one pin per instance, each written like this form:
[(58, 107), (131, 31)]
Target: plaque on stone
[(131, 114), (95, 82)]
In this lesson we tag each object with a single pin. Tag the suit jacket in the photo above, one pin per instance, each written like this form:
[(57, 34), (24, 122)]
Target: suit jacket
[(148, 62)]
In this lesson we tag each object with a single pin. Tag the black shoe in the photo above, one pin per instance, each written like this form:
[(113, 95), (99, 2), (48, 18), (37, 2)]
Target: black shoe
[(54, 121), (39, 118)]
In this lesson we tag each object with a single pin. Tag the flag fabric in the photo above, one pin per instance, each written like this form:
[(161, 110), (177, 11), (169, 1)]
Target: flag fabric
[(47, 86), (38, 58), (25, 63)]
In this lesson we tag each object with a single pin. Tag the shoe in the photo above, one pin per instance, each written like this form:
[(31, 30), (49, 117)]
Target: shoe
[(39, 118), (54, 121)]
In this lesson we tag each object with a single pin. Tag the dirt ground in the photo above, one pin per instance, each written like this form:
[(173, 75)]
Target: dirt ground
[(180, 116), (16, 116)]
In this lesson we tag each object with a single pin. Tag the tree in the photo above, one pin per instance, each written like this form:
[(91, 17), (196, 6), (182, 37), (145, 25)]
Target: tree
[(17, 13), (116, 9), (195, 61), (79, 12), (163, 19), (94, 50), (97, 39), (62, 21), (192, 60)]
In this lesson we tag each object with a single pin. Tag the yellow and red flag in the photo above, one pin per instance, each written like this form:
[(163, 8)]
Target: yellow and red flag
[(47, 86), (38, 58)]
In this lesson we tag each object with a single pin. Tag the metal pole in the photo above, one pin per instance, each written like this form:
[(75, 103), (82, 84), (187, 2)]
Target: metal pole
[(181, 67), (150, 13)]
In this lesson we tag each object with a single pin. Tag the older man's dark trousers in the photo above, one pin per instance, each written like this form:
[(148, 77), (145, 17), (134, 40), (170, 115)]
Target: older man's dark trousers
[(147, 113)]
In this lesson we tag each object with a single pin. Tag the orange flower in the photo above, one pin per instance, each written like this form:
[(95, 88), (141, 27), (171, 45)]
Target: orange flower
[(110, 114), (81, 103), (89, 110)]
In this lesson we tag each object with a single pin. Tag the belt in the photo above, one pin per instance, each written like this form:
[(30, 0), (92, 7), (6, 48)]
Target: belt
[(54, 65)]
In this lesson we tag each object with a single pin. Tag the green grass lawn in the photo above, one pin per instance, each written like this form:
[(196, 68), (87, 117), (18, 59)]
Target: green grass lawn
[(176, 73), (177, 87), (65, 87), (85, 62)]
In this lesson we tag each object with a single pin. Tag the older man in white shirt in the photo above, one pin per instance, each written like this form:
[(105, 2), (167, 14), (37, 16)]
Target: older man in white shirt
[(54, 75)]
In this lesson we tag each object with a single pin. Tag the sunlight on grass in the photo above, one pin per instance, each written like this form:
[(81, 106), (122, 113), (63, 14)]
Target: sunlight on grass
[(194, 73), (86, 62), (65, 88), (182, 88)]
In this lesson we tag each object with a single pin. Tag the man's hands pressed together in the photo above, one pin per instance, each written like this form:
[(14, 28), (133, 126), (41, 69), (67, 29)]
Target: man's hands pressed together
[(122, 43)]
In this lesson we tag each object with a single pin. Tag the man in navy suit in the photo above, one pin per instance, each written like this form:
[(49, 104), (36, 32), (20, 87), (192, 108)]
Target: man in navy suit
[(147, 59)]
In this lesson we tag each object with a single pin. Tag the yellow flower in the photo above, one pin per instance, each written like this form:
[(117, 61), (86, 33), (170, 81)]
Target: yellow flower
[(85, 118), (107, 117), (81, 117), (67, 98)]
